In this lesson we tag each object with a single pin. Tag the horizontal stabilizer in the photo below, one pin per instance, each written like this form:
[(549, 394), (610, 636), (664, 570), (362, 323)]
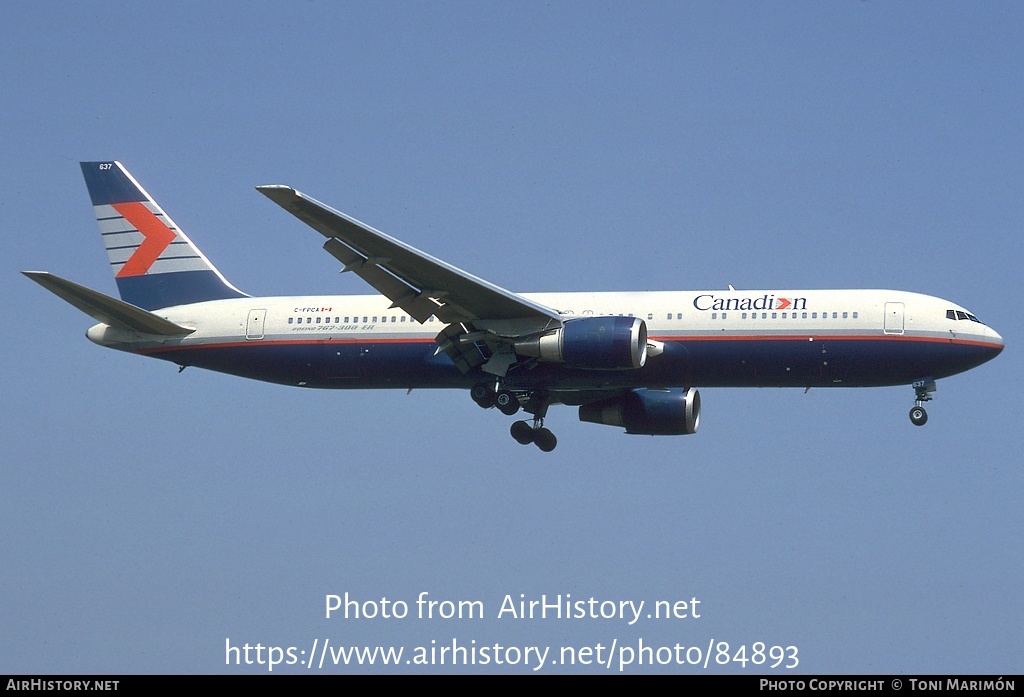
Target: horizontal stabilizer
[(102, 308)]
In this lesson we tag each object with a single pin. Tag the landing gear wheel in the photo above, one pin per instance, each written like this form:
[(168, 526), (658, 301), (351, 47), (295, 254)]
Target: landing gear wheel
[(483, 394), (533, 402), (507, 402), (545, 439), (522, 432), (918, 416), (922, 393)]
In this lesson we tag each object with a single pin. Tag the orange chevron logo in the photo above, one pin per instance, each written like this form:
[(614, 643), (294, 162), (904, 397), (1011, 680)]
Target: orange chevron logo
[(782, 303), (157, 237)]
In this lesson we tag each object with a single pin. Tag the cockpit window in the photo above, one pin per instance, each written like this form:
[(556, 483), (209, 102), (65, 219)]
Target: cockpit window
[(960, 314)]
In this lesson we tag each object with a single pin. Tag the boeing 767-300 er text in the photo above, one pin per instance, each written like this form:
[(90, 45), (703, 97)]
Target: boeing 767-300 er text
[(633, 360)]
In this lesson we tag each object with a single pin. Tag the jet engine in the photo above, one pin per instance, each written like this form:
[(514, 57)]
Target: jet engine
[(648, 412), (592, 343)]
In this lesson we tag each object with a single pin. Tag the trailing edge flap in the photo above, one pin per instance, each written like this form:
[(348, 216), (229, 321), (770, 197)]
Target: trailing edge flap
[(102, 308), (414, 281)]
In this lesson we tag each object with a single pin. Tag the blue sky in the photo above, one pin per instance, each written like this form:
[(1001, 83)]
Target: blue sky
[(148, 517)]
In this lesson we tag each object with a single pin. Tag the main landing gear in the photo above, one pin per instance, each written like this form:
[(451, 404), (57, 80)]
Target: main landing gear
[(506, 401), (509, 402), (922, 394), (525, 434)]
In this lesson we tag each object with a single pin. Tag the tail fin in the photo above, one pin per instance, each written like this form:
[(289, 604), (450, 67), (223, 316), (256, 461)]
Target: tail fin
[(155, 265)]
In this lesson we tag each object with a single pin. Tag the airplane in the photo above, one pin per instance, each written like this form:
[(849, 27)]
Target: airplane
[(632, 360)]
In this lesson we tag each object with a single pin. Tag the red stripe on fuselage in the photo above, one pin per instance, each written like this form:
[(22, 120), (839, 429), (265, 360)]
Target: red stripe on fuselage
[(285, 342), (832, 337), (157, 237), (675, 339)]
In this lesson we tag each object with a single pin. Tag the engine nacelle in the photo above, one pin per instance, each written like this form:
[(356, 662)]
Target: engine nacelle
[(592, 343), (648, 412)]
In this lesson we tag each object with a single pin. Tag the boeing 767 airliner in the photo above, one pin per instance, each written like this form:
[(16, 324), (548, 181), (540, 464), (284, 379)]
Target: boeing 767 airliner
[(633, 360)]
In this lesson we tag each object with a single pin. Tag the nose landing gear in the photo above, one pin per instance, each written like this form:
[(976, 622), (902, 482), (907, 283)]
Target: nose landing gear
[(922, 393)]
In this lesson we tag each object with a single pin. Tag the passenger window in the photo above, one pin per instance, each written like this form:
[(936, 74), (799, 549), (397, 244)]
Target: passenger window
[(844, 315), (290, 320)]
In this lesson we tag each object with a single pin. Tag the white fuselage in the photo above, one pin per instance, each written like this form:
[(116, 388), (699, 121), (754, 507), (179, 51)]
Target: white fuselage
[(760, 330)]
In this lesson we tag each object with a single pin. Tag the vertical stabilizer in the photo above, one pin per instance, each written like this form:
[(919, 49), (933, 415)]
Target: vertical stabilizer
[(154, 263)]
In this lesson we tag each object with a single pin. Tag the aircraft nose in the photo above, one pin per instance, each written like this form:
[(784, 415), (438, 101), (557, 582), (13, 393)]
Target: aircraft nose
[(994, 337)]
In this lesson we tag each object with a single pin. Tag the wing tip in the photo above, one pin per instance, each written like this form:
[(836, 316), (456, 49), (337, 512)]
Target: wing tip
[(278, 193)]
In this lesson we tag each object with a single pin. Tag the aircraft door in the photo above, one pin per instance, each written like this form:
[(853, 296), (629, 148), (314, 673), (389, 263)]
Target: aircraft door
[(893, 318), (254, 325)]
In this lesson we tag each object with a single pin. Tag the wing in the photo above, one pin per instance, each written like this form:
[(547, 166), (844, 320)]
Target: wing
[(483, 319), (414, 281)]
